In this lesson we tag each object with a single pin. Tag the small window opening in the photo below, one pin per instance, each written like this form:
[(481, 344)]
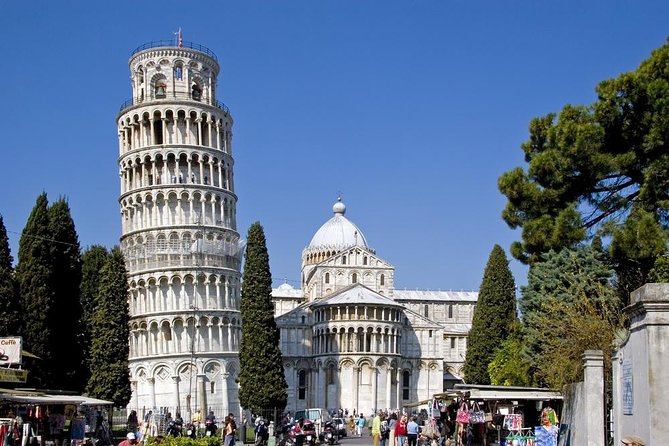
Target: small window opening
[(196, 92)]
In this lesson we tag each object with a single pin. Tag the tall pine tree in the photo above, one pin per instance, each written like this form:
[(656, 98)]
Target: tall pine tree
[(110, 378), (8, 302), (66, 258), (261, 378), (34, 275), (493, 319), (92, 261)]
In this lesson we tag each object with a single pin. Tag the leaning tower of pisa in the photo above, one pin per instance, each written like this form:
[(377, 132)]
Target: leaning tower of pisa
[(179, 232)]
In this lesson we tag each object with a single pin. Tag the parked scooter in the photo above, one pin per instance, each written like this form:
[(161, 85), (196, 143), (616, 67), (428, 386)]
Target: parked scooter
[(285, 435), (191, 430), (210, 428), (309, 433), (329, 434), (173, 429)]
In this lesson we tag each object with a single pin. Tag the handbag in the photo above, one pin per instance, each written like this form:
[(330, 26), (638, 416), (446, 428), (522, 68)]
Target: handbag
[(463, 414), (476, 415)]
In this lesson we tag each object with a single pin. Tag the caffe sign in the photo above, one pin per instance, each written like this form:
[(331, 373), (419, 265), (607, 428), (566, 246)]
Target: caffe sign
[(10, 350)]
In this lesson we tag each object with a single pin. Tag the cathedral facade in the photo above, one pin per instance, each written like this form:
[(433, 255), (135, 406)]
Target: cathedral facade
[(350, 340)]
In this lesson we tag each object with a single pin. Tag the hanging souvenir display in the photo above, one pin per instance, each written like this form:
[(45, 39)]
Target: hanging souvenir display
[(476, 415)]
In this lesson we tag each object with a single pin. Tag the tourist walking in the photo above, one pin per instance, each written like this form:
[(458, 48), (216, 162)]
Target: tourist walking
[(229, 430), (401, 431), (376, 430), (412, 432), (360, 424), (392, 422)]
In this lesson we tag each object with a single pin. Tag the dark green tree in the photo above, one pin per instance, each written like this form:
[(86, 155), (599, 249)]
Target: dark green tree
[(66, 261), (261, 378), (92, 261), (599, 170), (493, 319), (34, 276), (568, 306), (110, 378), (9, 305)]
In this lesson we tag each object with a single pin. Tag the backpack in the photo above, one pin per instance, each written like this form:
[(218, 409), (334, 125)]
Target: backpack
[(384, 428)]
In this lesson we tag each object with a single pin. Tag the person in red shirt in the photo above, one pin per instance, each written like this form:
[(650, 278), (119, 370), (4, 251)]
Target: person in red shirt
[(401, 431), (130, 440)]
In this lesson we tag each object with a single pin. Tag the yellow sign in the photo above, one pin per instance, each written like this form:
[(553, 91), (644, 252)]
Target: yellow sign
[(13, 375)]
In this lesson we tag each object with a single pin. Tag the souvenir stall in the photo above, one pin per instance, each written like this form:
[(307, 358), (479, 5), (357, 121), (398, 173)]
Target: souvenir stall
[(505, 416), (31, 418)]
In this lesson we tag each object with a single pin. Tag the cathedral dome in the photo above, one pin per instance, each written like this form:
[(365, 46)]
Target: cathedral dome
[(338, 232)]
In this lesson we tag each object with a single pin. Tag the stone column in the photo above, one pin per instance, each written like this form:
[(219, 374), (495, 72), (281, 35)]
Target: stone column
[(175, 393), (356, 384), (152, 391), (135, 397), (375, 384), (593, 386), (389, 380), (201, 394), (224, 393)]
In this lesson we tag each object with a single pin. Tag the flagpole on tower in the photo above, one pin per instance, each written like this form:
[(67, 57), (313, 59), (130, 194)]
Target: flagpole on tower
[(180, 42)]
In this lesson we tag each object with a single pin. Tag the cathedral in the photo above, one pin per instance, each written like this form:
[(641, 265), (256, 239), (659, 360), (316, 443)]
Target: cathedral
[(349, 338)]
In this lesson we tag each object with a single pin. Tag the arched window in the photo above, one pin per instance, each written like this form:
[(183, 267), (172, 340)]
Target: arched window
[(382, 280), (364, 260), (196, 92), (406, 384), (343, 260), (330, 374), (161, 89), (354, 278), (327, 277), (302, 385), (304, 318), (450, 311), (425, 311)]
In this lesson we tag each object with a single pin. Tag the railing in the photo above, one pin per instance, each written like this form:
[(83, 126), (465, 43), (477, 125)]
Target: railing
[(136, 265), (173, 43), (175, 97)]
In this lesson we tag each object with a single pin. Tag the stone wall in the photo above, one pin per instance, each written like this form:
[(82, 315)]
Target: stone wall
[(640, 368), (583, 409)]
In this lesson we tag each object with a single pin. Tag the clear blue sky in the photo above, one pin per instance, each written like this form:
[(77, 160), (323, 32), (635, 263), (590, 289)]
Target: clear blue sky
[(412, 109)]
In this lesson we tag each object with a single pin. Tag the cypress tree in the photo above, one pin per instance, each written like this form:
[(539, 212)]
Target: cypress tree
[(261, 378), (92, 261), (493, 319), (110, 378), (66, 258), (34, 275), (8, 301)]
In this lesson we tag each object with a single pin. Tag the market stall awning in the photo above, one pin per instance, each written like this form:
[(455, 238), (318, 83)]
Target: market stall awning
[(37, 397), (483, 392)]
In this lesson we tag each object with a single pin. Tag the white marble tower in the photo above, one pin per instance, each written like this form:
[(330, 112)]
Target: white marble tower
[(179, 232)]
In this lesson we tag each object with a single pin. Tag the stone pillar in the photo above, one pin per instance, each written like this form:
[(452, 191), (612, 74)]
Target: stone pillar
[(175, 390), (389, 380), (224, 393), (356, 384), (375, 379), (640, 364), (152, 391), (201, 395), (593, 387)]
